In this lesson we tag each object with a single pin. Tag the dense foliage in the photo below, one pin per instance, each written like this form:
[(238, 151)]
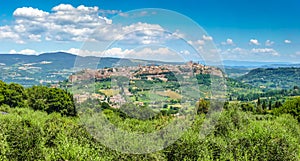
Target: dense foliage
[(291, 106), (13, 95), (51, 100), (34, 126), (284, 78), (38, 98)]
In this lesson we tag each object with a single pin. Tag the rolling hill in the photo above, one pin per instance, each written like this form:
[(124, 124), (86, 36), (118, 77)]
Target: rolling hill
[(46, 68), (273, 78)]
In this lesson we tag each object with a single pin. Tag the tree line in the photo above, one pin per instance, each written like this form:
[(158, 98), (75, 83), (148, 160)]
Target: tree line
[(38, 98)]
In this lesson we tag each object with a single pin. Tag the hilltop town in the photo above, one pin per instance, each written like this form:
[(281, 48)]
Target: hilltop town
[(151, 85), (151, 71)]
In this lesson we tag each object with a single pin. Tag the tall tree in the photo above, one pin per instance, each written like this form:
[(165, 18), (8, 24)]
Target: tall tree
[(258, 102), (264, 106)]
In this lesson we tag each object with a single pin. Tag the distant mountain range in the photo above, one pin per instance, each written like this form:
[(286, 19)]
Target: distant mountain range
[(253, 64), (66, 60), (53, 67)]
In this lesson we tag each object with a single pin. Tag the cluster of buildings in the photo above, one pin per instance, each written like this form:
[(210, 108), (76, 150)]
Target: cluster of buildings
[(151, 71), (137, 73), (114, 100)]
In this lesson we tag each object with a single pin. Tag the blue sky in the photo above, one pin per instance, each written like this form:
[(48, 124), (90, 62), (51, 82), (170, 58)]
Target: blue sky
[(241, 29)]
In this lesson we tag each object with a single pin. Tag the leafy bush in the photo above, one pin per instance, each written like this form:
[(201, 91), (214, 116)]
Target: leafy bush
[(51, 100), (291, 106), (12, 94)]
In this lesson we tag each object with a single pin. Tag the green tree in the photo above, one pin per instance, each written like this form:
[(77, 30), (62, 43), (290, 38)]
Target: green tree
[(37, 97), (51, 100), (13, 95), (3, 88), (264, 105), (291, 106), (202, 106), (277, 104), (258, 102)]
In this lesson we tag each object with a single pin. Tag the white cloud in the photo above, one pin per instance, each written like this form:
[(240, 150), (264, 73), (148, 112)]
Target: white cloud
[(29, 13), (234, 54), (207, 38), (255, 54), (7, 33), (143, 33), (269, 43), (254, 42), (160, 54), (177, 34), (185, 52), (66, 7), (25, 52), (13, 51), (109, 12), (64, 23), (35, 37), (68, 23), (110, 52), (236, 50), (287, 41), (198, 44), (270, 51), (228, 42)]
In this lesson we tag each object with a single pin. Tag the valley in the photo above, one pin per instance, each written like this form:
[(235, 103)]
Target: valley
[(143, 97)]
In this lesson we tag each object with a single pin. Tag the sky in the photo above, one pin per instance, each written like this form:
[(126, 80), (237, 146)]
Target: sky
[(246, 30)]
